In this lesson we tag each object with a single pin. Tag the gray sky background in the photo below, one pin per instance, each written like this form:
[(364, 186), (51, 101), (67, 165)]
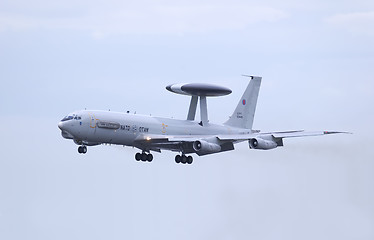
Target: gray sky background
[(316, 59)]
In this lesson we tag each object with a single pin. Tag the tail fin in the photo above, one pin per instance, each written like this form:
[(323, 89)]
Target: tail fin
[(245, 111)]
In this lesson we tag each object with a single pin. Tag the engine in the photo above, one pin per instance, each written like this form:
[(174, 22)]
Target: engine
[(259, 143), (202, 146)]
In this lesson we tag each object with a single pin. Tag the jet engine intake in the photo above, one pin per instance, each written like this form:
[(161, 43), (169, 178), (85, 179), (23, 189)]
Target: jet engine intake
[(205, 147), (259, 143)]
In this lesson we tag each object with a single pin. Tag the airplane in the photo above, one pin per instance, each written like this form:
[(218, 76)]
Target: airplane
[(153, 134)]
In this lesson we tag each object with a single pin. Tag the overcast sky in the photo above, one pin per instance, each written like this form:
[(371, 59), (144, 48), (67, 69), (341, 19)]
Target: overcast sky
[(316, 59)]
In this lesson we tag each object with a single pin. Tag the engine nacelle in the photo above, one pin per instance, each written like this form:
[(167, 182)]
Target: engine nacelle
[(259, 143), (202, 146)]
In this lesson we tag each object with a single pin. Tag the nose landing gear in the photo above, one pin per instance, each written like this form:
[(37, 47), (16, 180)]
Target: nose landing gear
[(82, 149)]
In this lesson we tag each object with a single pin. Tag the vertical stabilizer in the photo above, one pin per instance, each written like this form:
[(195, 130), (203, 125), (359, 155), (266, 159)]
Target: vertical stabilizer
[(245, 110)]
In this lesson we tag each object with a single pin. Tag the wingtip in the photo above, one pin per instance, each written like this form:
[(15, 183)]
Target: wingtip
[(335, 132)]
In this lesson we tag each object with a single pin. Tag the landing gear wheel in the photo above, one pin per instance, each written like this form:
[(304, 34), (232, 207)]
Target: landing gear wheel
[(144, 157), (178, 159), (82, 149), (189, 160), (149, 157), (184, 159)]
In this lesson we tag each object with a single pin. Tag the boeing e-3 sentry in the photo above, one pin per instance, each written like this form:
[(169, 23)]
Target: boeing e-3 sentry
[(189, 136)]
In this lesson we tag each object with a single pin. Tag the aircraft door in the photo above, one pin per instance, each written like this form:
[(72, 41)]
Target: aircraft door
[(92, 121)]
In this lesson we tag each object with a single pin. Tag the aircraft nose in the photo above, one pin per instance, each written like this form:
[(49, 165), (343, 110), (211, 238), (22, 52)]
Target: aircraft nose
[(61, 125)]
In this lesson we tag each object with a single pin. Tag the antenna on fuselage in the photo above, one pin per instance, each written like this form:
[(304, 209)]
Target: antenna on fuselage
[(198, 92)]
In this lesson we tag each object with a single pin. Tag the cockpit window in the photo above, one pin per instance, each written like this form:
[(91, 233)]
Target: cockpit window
[(67, 118), (70, 117)]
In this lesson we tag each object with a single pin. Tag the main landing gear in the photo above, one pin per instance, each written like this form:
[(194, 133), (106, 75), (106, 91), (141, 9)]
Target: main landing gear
[(147, 157), (82, 149), (183, 159), (144, 157)]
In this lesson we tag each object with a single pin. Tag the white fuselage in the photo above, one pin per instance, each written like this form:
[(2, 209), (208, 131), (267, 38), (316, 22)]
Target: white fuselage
[(96, 127), (147, 133)]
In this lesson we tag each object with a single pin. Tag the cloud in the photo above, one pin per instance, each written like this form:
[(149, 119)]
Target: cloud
[(147, 19), (358, 23)]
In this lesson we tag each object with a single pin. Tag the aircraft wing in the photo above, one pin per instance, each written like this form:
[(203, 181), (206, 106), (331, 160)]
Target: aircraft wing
[(184, 143), (270, 140), (180, 143), (279, 135)]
